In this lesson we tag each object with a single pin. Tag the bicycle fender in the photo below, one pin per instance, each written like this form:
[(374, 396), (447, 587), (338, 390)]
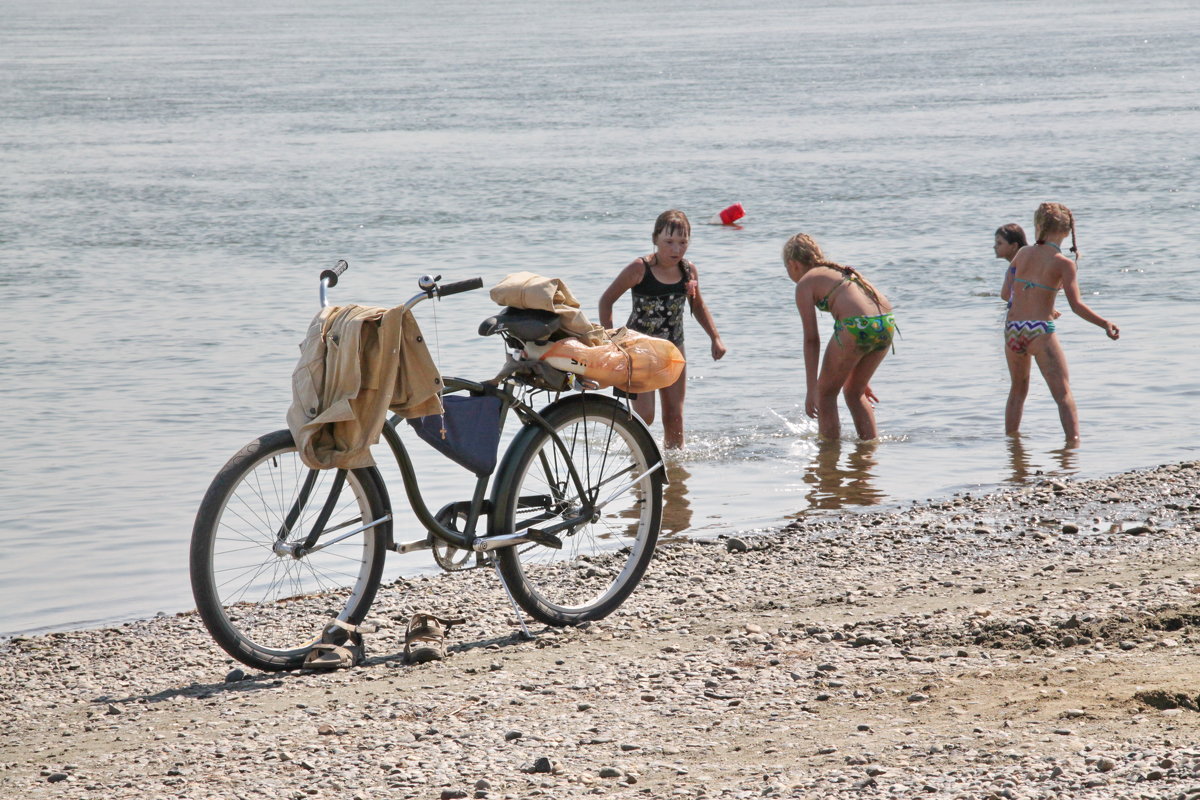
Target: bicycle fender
[(389, 527)]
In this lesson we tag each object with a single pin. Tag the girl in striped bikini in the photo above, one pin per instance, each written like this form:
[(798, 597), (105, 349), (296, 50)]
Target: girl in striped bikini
[(1039, 271), (862, 333)]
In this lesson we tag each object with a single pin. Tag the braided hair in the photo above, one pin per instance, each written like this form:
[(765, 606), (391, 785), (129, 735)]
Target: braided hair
[(1052, 218)]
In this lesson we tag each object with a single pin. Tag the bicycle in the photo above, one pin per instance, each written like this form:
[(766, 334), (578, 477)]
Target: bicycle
[(569, 525)]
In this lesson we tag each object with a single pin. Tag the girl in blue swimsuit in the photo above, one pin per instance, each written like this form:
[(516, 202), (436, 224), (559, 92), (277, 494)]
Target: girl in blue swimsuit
[(863, 329), (662, 284), (1039, 272)]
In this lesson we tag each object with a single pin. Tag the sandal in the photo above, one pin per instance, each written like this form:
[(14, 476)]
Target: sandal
[(340, 647), (425, 638)]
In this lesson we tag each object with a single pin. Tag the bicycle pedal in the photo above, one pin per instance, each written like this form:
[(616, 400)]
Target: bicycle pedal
[(544, 539)]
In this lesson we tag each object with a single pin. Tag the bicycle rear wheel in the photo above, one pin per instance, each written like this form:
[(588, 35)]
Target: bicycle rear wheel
[(604, 557), (262, 604)]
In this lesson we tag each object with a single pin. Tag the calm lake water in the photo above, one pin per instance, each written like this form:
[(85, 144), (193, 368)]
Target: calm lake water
[(175, 175)]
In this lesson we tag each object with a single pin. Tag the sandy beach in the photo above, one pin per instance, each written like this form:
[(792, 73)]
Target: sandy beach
[(1035, 642)]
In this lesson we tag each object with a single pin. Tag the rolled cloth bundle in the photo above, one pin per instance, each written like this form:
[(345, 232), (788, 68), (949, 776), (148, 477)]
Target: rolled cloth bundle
[(631, 361)]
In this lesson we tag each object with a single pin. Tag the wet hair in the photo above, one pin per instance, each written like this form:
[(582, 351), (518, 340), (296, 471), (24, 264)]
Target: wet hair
[(675, 221), (1055, 218), (1013, 234), (804, 249), (672, 221)]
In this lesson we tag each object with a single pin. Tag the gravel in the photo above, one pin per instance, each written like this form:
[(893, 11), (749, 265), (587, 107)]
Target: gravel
[(1035, 642)]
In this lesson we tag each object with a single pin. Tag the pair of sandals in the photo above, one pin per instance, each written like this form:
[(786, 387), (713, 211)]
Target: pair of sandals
[(341, 643)]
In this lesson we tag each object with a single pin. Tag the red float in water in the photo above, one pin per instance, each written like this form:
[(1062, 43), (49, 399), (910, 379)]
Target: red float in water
[(729, 215)]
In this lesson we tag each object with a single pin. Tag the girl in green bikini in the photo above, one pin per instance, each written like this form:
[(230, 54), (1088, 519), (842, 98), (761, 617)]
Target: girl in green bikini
[(1038, 272), (862, 334)]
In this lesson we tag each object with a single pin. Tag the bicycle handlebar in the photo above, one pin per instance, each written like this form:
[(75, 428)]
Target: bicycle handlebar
[(460, 286), (332, 275), (429, 285)]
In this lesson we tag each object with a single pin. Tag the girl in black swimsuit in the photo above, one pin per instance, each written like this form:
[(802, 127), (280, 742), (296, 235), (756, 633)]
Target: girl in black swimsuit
[(657, 306), (661, 284)]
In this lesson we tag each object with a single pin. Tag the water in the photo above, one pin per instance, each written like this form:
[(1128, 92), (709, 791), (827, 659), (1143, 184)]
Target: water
[(175, 177)]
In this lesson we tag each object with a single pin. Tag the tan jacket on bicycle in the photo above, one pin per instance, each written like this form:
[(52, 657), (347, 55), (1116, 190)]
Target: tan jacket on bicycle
[(356, 364)]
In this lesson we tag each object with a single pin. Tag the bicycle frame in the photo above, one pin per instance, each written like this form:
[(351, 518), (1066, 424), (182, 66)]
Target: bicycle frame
[(478, 506)]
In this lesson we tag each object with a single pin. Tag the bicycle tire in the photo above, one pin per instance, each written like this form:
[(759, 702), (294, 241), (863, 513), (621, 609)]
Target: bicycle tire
[(260, 604), (601, 561)]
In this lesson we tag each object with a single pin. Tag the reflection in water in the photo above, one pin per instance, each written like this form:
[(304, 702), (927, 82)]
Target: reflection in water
[(836, 487), (677, 508), (1066, 456), (1018, 457)]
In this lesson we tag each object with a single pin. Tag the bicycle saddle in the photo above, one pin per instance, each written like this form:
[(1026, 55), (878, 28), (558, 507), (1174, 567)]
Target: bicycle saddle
[(526, 324)]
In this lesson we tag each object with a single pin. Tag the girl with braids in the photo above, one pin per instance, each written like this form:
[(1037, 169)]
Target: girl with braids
[(862, 333), (1010, 239), (661, 284), (1039, 271)]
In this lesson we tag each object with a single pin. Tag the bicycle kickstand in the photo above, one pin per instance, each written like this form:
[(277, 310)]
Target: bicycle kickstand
[(512, 601)]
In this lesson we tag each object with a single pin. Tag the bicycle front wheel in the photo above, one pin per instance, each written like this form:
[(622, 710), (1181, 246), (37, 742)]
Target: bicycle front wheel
[(603, 556), (264, 601)]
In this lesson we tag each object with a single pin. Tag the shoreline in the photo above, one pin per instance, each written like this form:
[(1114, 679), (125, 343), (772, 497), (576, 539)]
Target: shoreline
[(707, 532), (1035, 641)]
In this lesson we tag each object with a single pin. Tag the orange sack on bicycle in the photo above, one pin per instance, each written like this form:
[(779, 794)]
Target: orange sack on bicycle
[(631, 361)]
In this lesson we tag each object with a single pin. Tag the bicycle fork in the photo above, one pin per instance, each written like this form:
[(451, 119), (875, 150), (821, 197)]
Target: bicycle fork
[(298, 550)]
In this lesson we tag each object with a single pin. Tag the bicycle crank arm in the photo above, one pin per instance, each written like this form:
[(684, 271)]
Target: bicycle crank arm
[(410, 547), (512, 539), (622, 490)]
